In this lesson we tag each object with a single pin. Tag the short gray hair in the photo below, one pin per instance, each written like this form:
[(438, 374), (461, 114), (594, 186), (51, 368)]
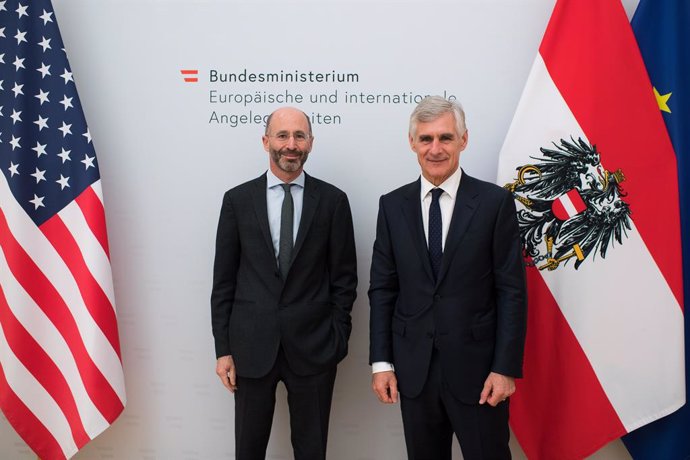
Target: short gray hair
[(432, 107)]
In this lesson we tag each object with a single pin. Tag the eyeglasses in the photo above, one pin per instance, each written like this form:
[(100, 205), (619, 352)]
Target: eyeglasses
[(299, 137)]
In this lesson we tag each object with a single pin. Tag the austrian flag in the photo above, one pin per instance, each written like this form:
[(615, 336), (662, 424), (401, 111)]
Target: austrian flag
[(593, 173)]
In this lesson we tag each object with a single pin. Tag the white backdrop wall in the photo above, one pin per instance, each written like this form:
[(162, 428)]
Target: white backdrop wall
[(165, 165)]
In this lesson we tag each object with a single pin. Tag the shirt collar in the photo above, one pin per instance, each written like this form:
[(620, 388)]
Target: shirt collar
[(449, 186), (273, 181)]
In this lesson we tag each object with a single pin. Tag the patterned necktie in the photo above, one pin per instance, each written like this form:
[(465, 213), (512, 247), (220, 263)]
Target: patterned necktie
[(286, 239), (435, 232)]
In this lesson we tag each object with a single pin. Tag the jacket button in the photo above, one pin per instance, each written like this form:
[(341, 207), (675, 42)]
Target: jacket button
[(437, 297), (430, 335)]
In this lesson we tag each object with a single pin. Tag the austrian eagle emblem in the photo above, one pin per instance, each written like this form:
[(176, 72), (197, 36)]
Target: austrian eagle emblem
[(569, 206)]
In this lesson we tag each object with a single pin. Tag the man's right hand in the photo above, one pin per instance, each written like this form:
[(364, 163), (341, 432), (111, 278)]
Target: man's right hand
[(385, 386), (225, 368)]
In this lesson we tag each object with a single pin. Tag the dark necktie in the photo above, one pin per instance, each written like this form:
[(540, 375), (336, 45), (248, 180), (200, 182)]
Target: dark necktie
[(435, 232), (286, 240)]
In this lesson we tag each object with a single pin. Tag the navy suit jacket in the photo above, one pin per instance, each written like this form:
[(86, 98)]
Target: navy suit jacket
[(475, 314), (254, 311)]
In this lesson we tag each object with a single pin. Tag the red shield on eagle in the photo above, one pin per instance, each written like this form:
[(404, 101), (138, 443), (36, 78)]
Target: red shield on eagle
[(568, 205)]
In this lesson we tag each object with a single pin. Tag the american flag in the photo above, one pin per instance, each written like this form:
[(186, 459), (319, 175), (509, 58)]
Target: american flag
[(61, 380)]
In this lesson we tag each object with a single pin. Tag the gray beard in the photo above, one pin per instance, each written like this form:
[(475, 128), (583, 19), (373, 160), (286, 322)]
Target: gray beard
[(288, 165)]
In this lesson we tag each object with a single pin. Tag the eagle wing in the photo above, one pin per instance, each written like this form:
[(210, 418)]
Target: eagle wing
[(594, 230)]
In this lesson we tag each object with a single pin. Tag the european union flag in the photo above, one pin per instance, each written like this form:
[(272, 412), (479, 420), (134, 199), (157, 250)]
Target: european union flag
[(662, 28)]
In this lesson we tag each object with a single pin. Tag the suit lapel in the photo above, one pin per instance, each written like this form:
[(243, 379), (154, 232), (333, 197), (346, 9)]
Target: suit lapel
[(412, 212), (466, 204), (310, 201), (258, 194)]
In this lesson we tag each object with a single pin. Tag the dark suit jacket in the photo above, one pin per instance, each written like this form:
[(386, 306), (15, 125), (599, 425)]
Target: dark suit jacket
[(254, 311), (475, 313)]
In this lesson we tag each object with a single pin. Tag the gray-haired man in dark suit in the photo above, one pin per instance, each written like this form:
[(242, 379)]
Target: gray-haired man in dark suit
[(448, 297)]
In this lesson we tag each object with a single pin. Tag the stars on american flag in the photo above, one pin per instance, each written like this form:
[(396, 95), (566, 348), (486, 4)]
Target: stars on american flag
[(41, 123), (42, 127), (39, 149), (47, 17), (64, 155), (39, 175), (65, 128), (42, 96), (67, 75), (20, 37), (45, 44), (15, 142), (44, 69), (18, 63), (21, 10), (88, 161), (37, 201), (63, 181), (67, 102)]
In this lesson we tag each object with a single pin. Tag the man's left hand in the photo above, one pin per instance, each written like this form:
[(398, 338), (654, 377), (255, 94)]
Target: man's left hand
[(497, 388)]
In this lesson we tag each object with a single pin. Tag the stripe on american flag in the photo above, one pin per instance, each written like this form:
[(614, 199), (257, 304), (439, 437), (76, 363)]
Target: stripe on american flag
[(21, 399), (91, 204), (29, 352), (48, 306)]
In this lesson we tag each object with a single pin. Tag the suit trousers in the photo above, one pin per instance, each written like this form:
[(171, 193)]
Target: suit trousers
[(309, 402), (431, 418)]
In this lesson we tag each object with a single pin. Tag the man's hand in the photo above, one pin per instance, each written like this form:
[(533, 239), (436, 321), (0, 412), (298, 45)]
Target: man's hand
[(497, 388), (385, 386), (225, 368)]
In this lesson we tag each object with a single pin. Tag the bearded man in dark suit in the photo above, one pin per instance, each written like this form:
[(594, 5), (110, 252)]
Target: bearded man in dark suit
[(284, 282)]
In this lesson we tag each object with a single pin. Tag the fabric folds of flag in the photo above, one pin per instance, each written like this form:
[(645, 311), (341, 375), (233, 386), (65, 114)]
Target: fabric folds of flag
[(593, 173), (61, 379), (662, 29)]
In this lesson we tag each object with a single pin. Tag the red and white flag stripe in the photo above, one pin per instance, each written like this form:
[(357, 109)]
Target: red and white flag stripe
[(59, 348), (604, 352)]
